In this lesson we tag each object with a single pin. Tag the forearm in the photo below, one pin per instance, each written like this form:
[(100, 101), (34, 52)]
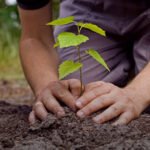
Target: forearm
[(39, 63), (38, 57), (140, 86)]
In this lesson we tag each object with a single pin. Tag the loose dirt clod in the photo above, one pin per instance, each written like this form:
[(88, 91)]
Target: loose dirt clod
[(69, 132)]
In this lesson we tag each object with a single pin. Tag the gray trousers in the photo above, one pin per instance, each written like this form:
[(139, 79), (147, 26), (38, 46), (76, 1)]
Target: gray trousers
[(126, 49)]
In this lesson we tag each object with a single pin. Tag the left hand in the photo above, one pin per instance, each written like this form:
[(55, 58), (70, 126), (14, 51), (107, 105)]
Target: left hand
[(48, 100), (119, 102)]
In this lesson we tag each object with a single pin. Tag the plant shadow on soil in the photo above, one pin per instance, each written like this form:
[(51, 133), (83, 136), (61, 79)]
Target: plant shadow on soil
[(69, 132)]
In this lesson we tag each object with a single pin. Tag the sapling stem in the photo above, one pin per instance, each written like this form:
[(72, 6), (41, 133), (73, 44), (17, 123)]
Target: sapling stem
[(80, 61)]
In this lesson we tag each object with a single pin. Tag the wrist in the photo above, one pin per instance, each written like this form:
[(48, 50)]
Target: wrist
[(137, 96), (43, 84)]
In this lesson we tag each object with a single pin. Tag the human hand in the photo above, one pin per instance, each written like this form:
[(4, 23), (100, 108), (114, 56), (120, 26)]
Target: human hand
[(118, 102), (66, 91)]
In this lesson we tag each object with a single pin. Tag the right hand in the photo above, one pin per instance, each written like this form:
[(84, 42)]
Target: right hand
[(66, 91)]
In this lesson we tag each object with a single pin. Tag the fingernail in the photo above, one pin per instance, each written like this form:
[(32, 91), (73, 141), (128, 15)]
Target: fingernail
[(32, 123), (117, 124), (114, 124), (96, 119), (79, 104), (80, 114), (60, 113)]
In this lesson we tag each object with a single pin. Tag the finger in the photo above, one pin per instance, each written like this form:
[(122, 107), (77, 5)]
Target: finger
[(40, 110), (124, 119), (52, 105), (92, 85), (32, 118), (87, 97), (65, 83), (95, 105), (63, 94), (75, 87), (110, 113)]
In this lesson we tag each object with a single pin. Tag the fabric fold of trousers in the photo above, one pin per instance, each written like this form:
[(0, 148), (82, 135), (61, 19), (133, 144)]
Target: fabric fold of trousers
[(126, 48)]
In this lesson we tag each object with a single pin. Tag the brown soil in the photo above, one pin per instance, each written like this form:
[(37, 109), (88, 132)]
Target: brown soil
[(16, 92), (68, 133)]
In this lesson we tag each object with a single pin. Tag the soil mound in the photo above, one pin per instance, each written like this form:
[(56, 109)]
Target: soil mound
[(68, 133)]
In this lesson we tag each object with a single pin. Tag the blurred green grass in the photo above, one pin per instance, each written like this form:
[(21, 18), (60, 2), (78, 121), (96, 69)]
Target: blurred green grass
[(10, 67), (10, 29)]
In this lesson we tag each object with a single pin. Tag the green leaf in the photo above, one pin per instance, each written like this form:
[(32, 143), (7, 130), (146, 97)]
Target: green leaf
[(62, 21), (67, 39), (92, 27), (68, 67), (97, 57), (56, 44)]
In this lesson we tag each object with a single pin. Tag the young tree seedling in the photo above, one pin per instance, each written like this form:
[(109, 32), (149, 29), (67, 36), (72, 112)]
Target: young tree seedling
[(68, 39)]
